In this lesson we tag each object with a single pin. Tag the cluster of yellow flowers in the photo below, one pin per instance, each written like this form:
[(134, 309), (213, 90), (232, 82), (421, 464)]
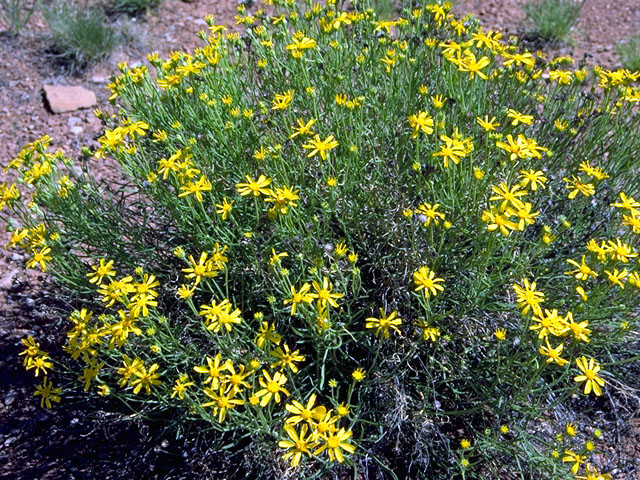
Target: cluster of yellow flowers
[(313, 429)]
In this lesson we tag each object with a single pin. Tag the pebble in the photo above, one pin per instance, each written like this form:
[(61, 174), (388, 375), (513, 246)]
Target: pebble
[(71, 121), (76, 130), (10, 397)]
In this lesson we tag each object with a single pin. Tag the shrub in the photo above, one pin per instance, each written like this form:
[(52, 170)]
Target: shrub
[(80, 36), (552, 20), (16, 13), (629, 53), (403, 246), (131, 7)]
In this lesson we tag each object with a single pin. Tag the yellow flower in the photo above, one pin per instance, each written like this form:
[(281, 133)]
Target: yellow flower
[(488, 124), (316, 145), (518, 117), (145, 378), (384, 323), (500, 334), (271, 387), (221, 401), (553, 354), (286, 358), (425, 280), (282, 101), (307, 412), (48, 393), (528, 298), (334, 443), (582, 272), (589, 368), (223, 209), (421, 122), (300, 296), (254, 187), (359, 374), (298, 444), (324, 295)]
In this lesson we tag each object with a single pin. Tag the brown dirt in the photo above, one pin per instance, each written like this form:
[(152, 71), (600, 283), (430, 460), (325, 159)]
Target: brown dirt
[(75, 441)]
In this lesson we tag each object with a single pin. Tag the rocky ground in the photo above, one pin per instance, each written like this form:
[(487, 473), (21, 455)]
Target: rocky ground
[(74, 441)]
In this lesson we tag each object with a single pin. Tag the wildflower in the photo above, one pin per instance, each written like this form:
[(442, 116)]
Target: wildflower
[(576, 185), (306, 413), (358, 374), (334, 443), (504, 429), (616, 277), (453, 150), (571, 429), (48, 393), (303, 128), (548, 323), (221, 402), (589, 368), (32, 350), (571, 457), (500, 334), (582, 272), (500, 221), (214, 369), (464, 443), (532, 179), (324, 295), (528, 298), (508, 196), (488, 124), (518, 117), (384, 323), (282, 101), (468, 63), (621, 251), (425, 280), (301, 296), (129, 369), (627, 203), (223, 209), (342, 409), (286, 358), (271, 387), (42, 361), (421, 122), (199, 269), (316, 145), (40, 258), (592, 474), (180, 387), (583, 295), (430, 212), (299, 44), (299, 443), (267, 333), (579, 330), (524, 215), (145, 378), (254, 188), (553, 354)]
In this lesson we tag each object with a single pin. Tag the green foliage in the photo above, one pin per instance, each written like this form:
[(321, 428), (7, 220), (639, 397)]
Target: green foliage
[(80, 36), (130, 7), (412, 234), (552, 20), (629, 53), (16, 13)]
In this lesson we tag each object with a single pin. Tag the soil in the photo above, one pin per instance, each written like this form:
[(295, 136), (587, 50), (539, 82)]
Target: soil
[(83, 440)]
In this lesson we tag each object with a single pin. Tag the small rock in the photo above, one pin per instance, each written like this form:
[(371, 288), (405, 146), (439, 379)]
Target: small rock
[(9, 441), (71, 121), (99, 79), (200, 21), (76, 130), (68, 99), (10, 397), (6, 281)]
